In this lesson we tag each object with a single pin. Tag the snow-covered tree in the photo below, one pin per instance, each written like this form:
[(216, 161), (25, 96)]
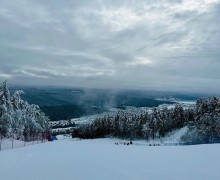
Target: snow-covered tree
[(207, 121), (20, 120)]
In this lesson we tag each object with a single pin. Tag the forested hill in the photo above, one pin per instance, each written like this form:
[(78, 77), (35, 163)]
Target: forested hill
[(61, 103)]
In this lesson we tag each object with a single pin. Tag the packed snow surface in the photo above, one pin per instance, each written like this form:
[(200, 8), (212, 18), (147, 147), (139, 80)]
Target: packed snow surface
[(101, 159)]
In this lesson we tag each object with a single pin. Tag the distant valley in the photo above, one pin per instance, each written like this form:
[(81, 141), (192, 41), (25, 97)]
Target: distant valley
[(67, 103)]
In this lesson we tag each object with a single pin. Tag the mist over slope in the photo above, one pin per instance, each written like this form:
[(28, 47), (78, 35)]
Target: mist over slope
[(67, 103)]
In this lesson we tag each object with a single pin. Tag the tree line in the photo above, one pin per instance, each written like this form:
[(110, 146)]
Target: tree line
[(20, 120), (203, 121)]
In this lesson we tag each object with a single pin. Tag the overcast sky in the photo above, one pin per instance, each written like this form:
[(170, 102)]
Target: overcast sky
[(142, 44)]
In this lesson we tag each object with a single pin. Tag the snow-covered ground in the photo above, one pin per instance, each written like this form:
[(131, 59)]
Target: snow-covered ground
[(172, 139), (101, 159), (184, 103), (8, 144)]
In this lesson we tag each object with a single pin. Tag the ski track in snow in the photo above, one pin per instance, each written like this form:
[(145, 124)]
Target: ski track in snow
[(101, 159)]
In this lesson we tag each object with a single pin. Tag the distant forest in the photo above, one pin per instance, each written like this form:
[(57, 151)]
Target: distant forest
[(64, 104), (65, 112)]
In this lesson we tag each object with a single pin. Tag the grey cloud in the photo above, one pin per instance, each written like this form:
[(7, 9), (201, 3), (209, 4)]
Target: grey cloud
[(163, 45)]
